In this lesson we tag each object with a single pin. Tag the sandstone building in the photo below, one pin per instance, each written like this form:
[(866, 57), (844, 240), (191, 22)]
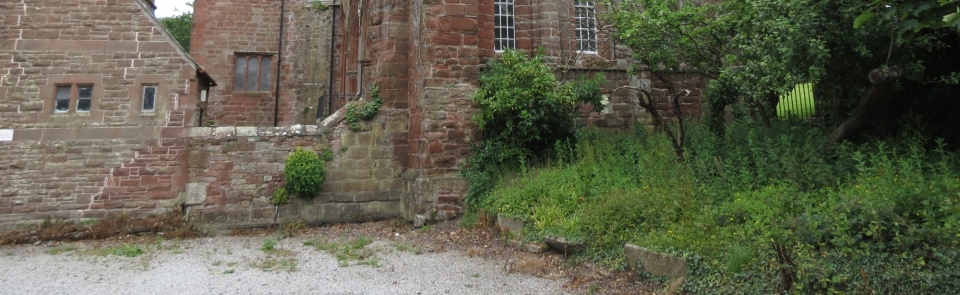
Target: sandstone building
[(94, 100), (284, 70)]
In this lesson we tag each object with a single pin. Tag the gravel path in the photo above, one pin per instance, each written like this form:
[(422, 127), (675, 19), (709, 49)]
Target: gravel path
[(238, 265)]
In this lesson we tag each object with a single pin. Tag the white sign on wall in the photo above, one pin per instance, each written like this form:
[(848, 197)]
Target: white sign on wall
[(6, 135)]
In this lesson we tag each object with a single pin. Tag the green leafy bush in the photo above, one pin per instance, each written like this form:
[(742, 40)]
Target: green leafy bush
[(304, 173), (524, 113), (280, 197), (357, 112)]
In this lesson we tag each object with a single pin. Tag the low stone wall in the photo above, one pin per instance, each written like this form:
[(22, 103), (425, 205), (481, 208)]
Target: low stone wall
[(75, 174), (234, 170)]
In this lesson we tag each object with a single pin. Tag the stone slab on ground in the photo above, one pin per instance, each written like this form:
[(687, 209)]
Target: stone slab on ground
[(655, 263), (510, 224), (565, 246)]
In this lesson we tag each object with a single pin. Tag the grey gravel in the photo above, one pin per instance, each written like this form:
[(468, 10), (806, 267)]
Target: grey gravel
[(231, 265)]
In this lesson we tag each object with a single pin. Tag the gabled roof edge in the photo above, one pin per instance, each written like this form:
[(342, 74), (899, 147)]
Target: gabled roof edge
[(144, 7)]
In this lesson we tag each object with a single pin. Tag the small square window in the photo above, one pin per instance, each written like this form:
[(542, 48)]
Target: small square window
[(63, 99), (73, 97), (84, 98), (149, 98)]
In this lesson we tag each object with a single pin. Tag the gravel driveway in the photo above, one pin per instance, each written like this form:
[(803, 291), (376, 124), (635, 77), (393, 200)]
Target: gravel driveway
[(240, 265)]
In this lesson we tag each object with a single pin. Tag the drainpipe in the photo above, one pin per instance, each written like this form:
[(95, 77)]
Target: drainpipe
[(360, 52), (333, 35), (276, 101)]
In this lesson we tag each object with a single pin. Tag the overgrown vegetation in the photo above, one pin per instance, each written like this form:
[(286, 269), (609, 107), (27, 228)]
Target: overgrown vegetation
[(756, 50), (525, 113), (759, 211), (171, 224), (357, 112), (347, 251)]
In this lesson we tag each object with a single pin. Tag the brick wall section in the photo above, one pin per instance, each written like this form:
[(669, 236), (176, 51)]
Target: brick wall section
[(120, 171), (115, 47), (223, 28), (114, 159), (307, 81), (444, 148)]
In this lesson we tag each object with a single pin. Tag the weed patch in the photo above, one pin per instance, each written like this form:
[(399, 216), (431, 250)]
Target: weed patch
[(406, 248), (277, 260), (759, 211), (61, 249), (269, 244), (349, 251)]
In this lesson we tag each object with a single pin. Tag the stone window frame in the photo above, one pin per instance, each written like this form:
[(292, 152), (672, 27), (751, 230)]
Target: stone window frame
[(73, 98), (48, 94), (585, 14), (135, 95), (153, 100), (264, 79), (504, 25)]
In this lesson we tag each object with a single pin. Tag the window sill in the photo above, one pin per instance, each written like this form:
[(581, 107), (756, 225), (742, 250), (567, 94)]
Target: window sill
[(70, 115), (268, 92)]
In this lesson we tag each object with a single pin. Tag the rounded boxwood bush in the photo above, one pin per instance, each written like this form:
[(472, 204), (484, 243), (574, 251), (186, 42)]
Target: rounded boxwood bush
[(304, 173)]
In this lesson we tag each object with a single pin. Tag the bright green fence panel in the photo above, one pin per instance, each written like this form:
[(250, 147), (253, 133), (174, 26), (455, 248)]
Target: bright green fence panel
[(799, 103)]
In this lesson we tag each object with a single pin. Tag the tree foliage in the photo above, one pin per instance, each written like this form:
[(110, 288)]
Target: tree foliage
[(180, 27), (756, 50), (524, 112)]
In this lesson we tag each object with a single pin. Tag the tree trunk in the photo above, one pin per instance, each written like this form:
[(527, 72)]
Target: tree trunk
[(870, 105)]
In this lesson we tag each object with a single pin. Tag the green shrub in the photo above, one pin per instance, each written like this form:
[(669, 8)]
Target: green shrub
[(304, 173), (357, 112), (525, 113), (280, 197), (758, 211)]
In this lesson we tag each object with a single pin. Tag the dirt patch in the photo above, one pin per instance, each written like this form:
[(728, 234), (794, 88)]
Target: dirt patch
[(486, 241), (170, 224)]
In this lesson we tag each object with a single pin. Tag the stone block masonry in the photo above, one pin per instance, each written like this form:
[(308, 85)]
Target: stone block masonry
[(221, 176), (234, 170), (134, 173)]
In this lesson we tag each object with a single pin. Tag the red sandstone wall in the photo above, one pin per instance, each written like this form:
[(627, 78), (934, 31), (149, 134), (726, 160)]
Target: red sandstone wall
[(223, 28), (114, 159), (114, 47)]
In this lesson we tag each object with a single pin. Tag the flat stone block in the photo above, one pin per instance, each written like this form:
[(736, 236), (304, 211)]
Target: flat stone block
[(247, 131), (565, 246), (224, 131), (200, 132), (196, 194), (642, 259), (510, 224)]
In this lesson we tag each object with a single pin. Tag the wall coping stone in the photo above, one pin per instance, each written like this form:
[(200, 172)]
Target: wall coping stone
[(244, 131)]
